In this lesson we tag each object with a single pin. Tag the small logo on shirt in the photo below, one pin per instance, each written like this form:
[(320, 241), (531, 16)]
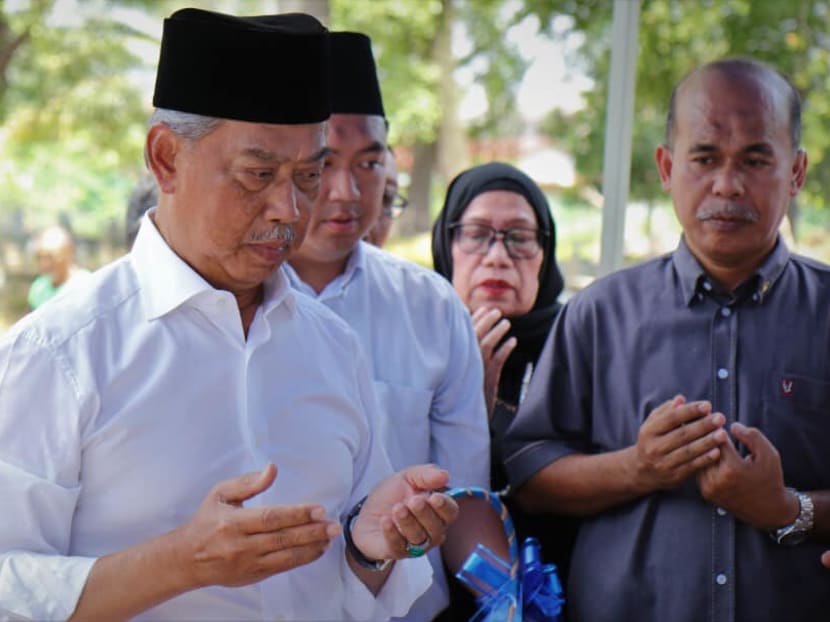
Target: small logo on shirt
[(787, 387)]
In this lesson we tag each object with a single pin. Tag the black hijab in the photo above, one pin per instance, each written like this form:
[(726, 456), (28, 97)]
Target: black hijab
[(530, 329)]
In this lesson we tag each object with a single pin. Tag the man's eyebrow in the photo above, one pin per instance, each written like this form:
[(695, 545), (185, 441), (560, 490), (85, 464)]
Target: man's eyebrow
[(702, 148), (270, 156), (373, 147), (261, 154), (762, 148), (325, 151)]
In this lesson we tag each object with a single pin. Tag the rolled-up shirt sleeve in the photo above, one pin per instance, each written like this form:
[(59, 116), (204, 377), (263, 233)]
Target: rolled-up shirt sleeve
[(555, 418), (39, 482)]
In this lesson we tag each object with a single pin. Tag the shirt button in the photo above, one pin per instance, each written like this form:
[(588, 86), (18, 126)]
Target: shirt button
[(707, 286), (720, 579), (721, 512), (723, 373), (726, 311)]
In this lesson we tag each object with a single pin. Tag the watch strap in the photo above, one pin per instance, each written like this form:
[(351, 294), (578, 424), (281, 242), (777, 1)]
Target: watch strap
[(360, 558), (797, 531)]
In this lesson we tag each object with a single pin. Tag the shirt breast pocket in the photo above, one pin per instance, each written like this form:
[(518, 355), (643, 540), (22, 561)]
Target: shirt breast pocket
[(796, 416), (405, 423)]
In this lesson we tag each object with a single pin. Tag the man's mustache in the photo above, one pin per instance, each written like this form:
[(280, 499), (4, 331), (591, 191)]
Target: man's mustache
[(734, 211), (280, 232)]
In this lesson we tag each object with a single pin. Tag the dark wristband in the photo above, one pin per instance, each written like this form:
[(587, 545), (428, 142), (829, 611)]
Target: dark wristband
[(360, 558)]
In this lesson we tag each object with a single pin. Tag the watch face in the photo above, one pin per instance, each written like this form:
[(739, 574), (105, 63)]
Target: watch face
[(791, 537)]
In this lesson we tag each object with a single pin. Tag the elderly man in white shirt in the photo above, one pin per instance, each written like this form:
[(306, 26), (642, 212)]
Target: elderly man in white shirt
[(181, 438), (419, 338)]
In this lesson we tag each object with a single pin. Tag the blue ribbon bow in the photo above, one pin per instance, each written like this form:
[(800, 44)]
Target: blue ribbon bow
[(542, 597), (534, 595)]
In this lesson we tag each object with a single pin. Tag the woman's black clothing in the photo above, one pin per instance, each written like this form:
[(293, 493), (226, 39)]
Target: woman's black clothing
[(555, 533)]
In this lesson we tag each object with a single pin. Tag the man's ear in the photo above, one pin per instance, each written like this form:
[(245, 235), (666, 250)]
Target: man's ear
[(799, 173), (160, 151), (663, 158)]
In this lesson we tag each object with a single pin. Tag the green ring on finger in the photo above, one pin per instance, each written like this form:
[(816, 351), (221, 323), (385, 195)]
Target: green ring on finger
[(417, 550)]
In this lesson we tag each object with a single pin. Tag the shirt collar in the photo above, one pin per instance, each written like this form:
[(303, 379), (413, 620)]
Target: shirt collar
[(166, 281), (695, 281), (355, 264)]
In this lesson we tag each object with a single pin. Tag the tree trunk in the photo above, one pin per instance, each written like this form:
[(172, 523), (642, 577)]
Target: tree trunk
[(447, 156), (452, 153), (417, 218)]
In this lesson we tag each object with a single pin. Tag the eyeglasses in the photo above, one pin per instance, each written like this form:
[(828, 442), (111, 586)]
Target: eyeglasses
[(477, 239), (394, 204)]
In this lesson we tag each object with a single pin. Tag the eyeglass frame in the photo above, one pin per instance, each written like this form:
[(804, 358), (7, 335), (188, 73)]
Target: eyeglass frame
[(396, 207), (540, 235)]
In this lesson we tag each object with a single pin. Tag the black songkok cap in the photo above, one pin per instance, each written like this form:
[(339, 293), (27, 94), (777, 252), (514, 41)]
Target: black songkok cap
[(263, 69), (354, 79)]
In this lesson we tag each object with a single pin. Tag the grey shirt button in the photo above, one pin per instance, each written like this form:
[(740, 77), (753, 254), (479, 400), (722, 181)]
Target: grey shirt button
[(723, 373)]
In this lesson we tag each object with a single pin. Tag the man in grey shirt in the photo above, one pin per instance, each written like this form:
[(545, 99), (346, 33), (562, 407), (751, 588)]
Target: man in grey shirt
[(682, 406)]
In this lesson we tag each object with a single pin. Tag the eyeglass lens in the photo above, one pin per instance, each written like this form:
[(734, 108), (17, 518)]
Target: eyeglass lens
[(477, 239)]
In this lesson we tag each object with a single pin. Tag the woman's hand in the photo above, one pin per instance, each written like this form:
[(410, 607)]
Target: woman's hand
[(490, 329)]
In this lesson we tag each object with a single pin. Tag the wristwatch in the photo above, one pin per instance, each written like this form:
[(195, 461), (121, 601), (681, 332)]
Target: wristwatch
[(798, 530), (372, 564)]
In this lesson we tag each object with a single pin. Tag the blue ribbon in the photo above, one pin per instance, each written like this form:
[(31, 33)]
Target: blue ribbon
[(489, 575), (535, 595), (541, 590), (523, 590)]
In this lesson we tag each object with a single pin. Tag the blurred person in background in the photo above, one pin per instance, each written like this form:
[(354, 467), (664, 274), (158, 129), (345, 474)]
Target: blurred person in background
[(392, 204), (495, 241), (54, 251)]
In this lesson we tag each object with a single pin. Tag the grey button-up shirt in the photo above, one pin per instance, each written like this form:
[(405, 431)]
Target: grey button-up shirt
[(761, 355)]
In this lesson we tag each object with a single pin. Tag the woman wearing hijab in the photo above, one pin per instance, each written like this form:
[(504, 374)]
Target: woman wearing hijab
[(495, 241)]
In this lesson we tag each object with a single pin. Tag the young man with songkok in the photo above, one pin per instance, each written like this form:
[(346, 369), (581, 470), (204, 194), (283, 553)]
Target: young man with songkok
[(422, 350)]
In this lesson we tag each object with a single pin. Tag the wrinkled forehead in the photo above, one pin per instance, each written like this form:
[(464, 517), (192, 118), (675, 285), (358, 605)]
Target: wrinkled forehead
[(717, 104), (272, 142)]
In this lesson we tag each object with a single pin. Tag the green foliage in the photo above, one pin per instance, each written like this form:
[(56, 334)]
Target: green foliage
[(403, 34), (499, 66), (674, 37), (73, 111), (73, 135)]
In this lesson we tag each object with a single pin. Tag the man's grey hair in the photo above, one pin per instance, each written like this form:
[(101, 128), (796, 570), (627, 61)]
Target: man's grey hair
[(185, 124)]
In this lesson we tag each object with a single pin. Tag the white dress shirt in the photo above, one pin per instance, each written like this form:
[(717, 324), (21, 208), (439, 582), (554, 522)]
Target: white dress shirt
[(122, 404), (427, 372)]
